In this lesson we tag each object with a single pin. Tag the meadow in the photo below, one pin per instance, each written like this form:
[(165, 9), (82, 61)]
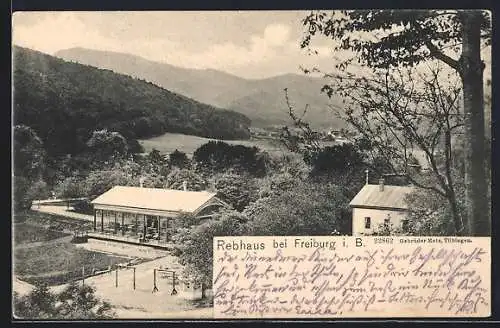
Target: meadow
[(59, 263), (169, 142), (25, 233), (44, 254)]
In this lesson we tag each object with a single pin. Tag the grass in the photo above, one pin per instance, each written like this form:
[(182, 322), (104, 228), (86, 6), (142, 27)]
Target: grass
[(169, 142), (55, 222), (59, 263), (53, 261), (27, 233)]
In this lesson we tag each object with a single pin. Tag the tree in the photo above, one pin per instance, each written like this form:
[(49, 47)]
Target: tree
[(29, 167), (195, 246), (154, 180), (342, 165), (38, 304), (384, 39), (134, 147), (429, 213), (74, 302), (29, 153), (39, 190), (195, 182), (77, 302), (186, 220), (289, 163), (22, 198), (98, 182), (401, 114), (71, 187), (106, 146), (277, 183), (218, 156), (178, 159), (237, 190), (156, 158), (306, 209)]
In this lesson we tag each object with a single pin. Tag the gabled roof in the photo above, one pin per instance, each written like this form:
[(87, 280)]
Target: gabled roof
[(167, 200), (392, 197)]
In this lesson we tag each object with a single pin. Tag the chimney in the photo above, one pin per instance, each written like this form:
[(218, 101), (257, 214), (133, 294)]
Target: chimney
[(367, 175), (185, 185), (381, 184), (141, 182)]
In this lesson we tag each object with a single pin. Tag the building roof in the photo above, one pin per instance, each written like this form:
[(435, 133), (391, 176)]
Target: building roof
[(168, 200), (392, 197)]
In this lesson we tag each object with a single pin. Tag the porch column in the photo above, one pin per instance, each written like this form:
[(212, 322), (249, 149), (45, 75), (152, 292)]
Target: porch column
[(95, 219), (102, 221), (114, 231), (159, 231), (136, 224), (144, 227), (167, 229), (123, 221)]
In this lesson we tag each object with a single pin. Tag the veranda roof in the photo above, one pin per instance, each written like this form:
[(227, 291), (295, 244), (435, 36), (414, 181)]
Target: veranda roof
[(165, 200)]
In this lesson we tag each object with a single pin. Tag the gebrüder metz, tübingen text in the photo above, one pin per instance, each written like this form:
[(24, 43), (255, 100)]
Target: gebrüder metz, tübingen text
[(297, 243)]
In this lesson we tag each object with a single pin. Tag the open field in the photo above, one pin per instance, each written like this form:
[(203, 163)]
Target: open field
[(51, 221), (169, 142), (28, 233), (45, 254), (59, 263)]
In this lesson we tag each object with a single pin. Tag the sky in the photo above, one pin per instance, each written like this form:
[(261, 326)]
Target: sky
[(249, 44)]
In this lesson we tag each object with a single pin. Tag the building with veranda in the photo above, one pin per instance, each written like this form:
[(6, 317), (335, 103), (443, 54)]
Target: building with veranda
[(149, 214)]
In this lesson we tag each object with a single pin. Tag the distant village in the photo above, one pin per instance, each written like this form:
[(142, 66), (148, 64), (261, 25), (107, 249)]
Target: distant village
[(273, 132)]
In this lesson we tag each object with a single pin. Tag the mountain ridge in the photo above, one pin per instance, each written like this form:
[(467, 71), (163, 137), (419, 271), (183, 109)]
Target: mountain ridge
[(222, 89), (64, 102)]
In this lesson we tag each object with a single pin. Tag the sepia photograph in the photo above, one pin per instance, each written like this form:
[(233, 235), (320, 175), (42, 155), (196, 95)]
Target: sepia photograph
[(150, 147)]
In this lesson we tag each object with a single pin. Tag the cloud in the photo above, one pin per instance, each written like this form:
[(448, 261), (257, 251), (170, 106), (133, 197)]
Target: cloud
[(55, 31), (228, 56), (272, 51), (276, 34)]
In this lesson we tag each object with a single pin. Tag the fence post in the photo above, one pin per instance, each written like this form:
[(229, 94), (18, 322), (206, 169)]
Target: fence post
[(174, 291), (134, 278), (155, 289)]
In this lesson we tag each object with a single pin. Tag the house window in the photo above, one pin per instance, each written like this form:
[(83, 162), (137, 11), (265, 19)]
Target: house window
[(405, 226), (368, 222)]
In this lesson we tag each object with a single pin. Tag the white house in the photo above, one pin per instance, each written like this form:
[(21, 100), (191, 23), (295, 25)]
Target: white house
[(375, 205)]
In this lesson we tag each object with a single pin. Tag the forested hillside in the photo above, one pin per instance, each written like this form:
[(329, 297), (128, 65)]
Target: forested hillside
[(262, 100), (65, 102)]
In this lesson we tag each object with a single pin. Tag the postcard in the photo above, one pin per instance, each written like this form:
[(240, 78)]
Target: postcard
[(225, 165)]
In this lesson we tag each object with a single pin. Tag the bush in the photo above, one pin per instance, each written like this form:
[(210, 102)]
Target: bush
[(22, 197), (74, 302), (84, 207)]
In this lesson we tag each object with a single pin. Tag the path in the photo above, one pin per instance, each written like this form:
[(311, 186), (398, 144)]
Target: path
[(21, 287), (62, 211), (142, 302)]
